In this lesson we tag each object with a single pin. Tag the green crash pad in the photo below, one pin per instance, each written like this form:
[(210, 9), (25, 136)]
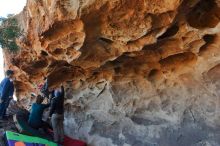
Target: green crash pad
[(13, 137)]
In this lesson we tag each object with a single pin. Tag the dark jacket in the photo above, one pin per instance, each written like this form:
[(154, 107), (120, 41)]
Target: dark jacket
[(6, 88), (36, 114), (45, 89), (57, 104)]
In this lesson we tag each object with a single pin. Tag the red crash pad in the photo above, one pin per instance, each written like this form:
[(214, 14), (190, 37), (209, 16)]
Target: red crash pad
[(72, 142)]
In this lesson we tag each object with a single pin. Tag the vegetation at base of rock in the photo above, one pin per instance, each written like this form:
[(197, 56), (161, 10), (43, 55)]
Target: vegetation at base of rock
[(9, 32)]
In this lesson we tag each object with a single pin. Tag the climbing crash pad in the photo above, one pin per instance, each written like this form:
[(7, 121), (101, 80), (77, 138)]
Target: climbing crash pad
[(70, 141), (73, 142), (16, 139), (21, 123)]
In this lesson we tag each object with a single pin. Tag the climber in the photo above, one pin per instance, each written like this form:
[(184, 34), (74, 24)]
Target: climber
[(57, 113), (36, 114), (44, 88), (6, 93)]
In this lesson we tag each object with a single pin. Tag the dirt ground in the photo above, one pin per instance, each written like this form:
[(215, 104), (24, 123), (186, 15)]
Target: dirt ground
[(6, 125)]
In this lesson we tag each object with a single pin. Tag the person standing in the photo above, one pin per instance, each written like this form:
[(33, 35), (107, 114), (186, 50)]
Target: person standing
[(57, 114), (6, 93)]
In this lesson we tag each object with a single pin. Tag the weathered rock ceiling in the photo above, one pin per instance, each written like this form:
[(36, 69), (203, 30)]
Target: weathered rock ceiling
[(121, 37)]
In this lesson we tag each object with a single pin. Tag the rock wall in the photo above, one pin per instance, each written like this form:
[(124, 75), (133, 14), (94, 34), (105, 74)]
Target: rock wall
[(136, 72)]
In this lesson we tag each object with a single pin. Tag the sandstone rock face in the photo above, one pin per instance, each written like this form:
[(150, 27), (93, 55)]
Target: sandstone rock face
[(136, 72)]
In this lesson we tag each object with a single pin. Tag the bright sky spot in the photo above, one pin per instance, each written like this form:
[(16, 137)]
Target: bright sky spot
[(9, 7)]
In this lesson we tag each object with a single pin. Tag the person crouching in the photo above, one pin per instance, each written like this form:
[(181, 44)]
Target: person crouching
[(36, 114)]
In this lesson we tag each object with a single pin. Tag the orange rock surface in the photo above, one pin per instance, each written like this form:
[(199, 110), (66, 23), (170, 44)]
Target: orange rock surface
[(133, 69)]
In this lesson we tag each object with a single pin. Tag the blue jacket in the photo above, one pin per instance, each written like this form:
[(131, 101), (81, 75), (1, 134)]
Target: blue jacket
[(6, 88), (36, 114)]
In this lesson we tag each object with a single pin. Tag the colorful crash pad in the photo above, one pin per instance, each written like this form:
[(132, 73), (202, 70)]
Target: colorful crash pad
[(21, 123), (15, 139), (72, 142)]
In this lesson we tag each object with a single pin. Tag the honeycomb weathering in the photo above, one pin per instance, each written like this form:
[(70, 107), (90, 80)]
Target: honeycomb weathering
[(136, 72)]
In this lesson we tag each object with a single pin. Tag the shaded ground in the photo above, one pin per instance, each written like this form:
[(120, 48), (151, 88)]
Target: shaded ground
[(9, 125), (4, 126)]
